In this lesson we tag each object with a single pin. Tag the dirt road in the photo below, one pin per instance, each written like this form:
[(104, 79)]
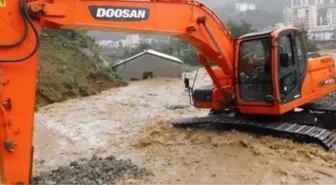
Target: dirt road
[(131, 122)]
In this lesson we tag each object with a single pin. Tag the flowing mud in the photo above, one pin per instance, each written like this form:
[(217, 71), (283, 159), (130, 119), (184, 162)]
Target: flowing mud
[(133, 123)]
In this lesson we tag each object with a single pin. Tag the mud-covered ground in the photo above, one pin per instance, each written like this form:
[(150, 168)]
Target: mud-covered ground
[(133, 123)]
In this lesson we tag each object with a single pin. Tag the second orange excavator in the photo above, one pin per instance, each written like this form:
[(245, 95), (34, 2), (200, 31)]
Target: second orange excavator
[(265, 74)]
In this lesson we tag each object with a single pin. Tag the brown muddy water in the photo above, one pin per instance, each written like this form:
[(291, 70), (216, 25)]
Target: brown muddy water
[(133, 122)]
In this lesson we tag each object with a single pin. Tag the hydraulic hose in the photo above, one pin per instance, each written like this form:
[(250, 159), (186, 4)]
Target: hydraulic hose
[(25, 15), (24, 36)]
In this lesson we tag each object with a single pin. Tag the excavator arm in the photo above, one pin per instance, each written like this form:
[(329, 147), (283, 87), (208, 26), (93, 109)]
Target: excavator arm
[(188, 20), (21, 20)]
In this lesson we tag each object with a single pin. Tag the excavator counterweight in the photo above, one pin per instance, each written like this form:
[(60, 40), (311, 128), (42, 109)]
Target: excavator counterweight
[(259, 74)]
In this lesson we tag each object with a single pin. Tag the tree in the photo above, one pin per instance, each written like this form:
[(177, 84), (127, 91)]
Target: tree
[(166, 48), (191, 56), (239, 29), (311, 46), (143, 46), (120, 45)]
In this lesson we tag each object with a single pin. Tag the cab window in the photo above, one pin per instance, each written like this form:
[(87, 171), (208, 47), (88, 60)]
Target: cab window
[(300, 53), (254, 69), (286, 65)]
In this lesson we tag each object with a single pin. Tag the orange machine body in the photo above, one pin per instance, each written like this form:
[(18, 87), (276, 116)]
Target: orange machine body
[(186, 19), (310, 79), (18, 72)]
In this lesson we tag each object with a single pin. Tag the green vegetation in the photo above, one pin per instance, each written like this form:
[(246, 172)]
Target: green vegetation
[(71, 66), (311, 46), (239, 29)]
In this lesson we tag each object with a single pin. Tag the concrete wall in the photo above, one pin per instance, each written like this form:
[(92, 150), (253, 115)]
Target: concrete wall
[(160, 67)]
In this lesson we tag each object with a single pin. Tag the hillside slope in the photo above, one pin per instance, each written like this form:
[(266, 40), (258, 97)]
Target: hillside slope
[(70, 66)]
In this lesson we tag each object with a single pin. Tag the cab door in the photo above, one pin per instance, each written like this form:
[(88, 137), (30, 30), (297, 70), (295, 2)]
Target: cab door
[(292, 65), (254, 71)]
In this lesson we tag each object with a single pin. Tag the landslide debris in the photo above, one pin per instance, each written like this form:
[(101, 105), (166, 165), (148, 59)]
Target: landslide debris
[(71, 66), (96, 170)]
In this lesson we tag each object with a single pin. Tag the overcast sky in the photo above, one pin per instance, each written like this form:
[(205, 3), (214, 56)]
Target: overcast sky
[(213, 3)]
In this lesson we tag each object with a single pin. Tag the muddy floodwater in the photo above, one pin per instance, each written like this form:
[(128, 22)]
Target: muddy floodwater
[(133, 123)]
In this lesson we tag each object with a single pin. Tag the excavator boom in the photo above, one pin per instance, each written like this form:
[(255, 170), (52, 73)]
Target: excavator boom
[(188, 20)]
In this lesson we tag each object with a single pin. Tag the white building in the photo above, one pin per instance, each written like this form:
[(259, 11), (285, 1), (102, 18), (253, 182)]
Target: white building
[(287, 16), (305, 16), (244, 6), (316, 16), (132, 40), (322, 33)]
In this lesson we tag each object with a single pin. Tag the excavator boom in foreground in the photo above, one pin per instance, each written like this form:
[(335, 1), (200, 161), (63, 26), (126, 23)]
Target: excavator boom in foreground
[(264, 74)]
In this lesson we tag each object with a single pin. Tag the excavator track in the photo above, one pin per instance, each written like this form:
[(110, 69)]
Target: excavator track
[(302, 132)]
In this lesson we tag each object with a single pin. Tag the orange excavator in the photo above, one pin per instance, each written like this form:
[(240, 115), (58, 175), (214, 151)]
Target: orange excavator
[(259, 75)]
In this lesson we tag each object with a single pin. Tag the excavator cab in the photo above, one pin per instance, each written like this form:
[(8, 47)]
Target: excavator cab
[(283, 80), (272, 74)]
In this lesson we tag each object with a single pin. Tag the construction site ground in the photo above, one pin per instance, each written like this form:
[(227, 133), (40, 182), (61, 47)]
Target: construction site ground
[(132, 122)]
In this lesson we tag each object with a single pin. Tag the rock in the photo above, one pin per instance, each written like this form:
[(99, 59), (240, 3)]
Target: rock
[(50, 182), (74, 164), (104, 62), (110, 158), (174, 107), (87, 52), (99, 181), (152, 94), (44, 34), (97, 170)]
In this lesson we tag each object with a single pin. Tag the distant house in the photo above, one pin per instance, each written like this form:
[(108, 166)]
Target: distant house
[(149, 64)]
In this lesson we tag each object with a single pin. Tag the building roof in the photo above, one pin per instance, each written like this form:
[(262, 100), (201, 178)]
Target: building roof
[(151, 52), (321, 29), (258, 33)]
